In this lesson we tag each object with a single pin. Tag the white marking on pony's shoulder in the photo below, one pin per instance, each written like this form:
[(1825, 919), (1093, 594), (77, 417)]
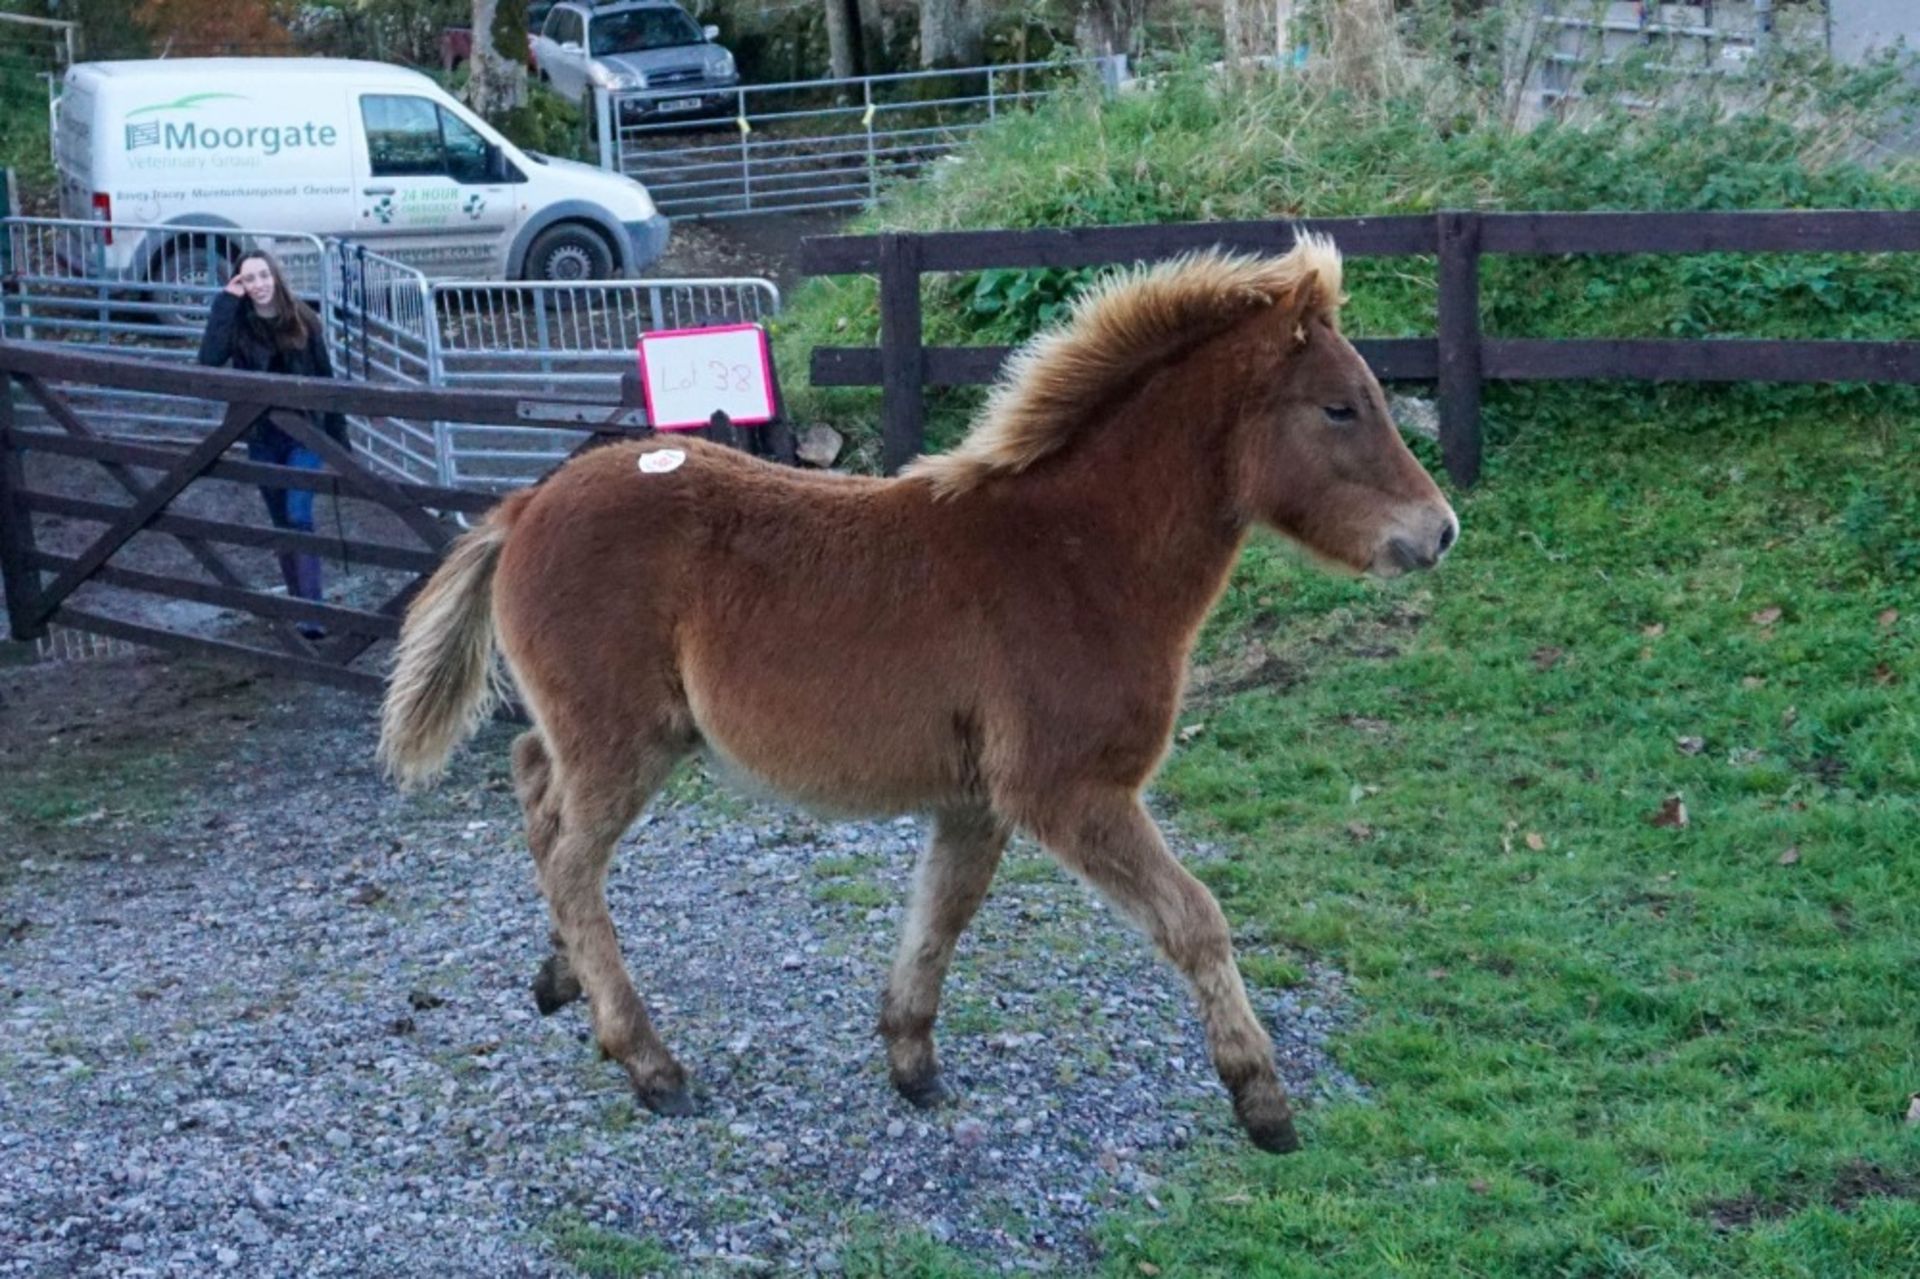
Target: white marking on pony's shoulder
[(660, 461)]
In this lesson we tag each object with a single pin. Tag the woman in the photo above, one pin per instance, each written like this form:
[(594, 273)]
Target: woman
[(257, 325)]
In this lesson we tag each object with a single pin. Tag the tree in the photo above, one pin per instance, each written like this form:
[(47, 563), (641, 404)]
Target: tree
[(845, 39), (184, 28), (873, 36), (952, 33), (1105, 27), (497, 69), (1256, 28)]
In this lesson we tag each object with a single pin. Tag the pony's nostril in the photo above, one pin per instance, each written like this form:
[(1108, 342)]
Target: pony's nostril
[(1448, 536)]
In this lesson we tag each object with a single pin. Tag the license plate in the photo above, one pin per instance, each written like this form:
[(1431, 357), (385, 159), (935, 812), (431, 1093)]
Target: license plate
[(679, 104)]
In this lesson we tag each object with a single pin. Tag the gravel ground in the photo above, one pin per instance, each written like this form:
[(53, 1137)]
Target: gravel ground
[(260, 1015)]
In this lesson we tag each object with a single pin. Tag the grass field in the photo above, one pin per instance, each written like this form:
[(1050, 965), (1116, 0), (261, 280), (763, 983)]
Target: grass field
[(1600, 1039), (1601, 1042)]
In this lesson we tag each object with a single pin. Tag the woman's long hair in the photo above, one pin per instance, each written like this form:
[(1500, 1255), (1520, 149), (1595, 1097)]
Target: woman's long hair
[(293, 322)]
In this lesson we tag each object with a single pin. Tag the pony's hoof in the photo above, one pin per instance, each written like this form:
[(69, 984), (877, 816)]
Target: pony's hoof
[(668, 1103), (928, 1091), (1273, 1133), (554, 986)]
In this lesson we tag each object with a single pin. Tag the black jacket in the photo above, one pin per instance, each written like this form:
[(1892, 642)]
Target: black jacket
[(236, 335)]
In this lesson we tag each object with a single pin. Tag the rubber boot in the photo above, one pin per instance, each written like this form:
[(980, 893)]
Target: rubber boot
[(306, 568), (306, 571)]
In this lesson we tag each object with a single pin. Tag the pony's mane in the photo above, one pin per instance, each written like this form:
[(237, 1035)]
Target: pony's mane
[(1128, 322)]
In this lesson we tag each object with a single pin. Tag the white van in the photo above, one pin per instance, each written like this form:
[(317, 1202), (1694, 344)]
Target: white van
[(362, 150)]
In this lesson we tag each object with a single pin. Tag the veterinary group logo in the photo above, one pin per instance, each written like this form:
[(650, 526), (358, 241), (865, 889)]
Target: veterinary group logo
[(260, 140)]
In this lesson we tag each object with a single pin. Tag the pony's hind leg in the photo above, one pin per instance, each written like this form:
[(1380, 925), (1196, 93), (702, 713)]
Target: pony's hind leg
[(586, 808), (554, 986), (948, 886), (1109, 840)]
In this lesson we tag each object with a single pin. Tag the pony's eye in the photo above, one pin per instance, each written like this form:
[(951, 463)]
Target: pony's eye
[(1339, 413)]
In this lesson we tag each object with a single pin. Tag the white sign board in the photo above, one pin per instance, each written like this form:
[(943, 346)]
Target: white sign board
[(690, 374)]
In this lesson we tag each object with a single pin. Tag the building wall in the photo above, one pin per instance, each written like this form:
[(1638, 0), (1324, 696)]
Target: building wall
[(1859, 27)]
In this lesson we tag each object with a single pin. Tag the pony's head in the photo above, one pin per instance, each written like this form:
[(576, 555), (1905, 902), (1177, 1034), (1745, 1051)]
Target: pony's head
[(1316, 454), (1308, 445)]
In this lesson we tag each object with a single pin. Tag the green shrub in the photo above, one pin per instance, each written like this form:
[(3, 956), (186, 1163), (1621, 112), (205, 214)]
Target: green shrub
[(547, 123)]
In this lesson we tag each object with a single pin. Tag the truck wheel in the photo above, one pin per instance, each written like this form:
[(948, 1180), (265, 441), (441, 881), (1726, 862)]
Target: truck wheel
[(567, 253)]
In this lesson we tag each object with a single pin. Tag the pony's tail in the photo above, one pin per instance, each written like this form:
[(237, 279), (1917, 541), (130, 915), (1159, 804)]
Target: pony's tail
[(444, 681)]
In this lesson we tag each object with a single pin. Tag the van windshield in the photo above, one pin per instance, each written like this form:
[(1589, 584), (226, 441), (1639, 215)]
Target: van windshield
[(639, 29)]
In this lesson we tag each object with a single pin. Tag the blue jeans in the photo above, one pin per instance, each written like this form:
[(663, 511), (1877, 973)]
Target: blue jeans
[(287, 508)]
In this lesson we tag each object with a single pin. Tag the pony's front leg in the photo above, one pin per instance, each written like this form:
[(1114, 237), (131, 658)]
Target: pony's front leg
[(948, 886), (1108, 839)]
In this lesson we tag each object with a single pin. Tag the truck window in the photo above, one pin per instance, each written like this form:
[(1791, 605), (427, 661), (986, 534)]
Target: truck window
[(414, 137)]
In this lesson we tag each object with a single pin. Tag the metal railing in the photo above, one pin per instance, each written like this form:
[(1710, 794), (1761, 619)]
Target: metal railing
[(816, 144), (142, 288), (34, 52), (574, 338), (1680, 49), (380, 329), (110, 286)]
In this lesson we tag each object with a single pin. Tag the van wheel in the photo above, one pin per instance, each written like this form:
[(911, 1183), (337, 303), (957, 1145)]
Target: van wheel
[(567, 253), (183, 271)]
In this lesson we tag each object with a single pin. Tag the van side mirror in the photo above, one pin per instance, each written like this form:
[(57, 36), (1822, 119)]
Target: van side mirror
[(709, 33)]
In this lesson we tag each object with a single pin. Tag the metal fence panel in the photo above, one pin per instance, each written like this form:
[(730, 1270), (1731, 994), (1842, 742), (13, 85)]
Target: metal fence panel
[(381, 330), (575, 338), (816, 144), (385, 324), (61, 280)]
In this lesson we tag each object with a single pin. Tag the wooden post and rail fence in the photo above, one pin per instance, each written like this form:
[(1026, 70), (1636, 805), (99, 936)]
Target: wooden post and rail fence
[(1459, 358)]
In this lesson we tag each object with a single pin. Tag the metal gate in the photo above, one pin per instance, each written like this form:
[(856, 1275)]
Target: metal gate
[(1681, 49), (379, 325), (816, 144), (386, 326), (132, 288), (574, 339)]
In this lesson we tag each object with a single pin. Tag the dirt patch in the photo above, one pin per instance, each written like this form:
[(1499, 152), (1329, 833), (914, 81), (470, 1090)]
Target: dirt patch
[(758, 246), (1851, 1185), (83, 772)]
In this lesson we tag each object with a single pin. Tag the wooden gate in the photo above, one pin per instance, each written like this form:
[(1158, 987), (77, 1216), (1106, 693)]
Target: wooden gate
[(140, 493)]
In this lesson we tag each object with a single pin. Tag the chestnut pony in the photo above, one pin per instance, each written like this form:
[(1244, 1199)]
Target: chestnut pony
[(997, 638)]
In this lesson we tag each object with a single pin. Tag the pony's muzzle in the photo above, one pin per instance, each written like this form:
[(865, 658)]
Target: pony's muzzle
[(1419, 547)]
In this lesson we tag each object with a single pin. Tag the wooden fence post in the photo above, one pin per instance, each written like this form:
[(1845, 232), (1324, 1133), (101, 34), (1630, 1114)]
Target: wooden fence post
[(16, 532), (903, 361), (1459, 340)]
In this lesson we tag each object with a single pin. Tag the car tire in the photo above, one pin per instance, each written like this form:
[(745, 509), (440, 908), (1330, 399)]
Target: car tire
[(567, 253)]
